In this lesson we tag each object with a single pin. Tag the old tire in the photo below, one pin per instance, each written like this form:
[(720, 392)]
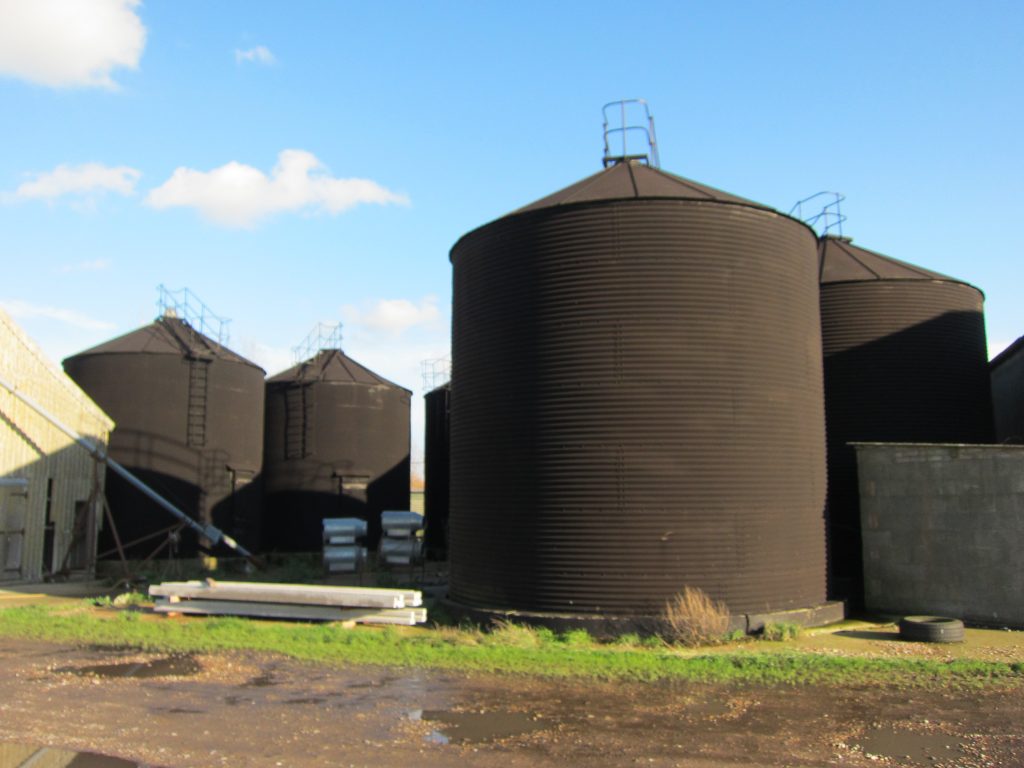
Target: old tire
[(931, 629)]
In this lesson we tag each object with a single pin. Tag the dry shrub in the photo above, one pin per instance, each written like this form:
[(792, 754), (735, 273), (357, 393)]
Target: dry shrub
[(692, 618)]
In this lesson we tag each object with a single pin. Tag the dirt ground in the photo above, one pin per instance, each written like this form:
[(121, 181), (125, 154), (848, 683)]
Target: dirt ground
[(258, 710)]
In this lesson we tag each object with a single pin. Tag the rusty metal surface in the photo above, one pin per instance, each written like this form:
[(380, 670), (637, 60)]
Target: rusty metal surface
[(905, 360), (437, 447), (198, 442), (637, 407), (336, 445)]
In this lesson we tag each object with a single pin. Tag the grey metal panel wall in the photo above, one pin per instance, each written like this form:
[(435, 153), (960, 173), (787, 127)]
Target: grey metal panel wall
[(904, 361), (637, 407), (348, 430)]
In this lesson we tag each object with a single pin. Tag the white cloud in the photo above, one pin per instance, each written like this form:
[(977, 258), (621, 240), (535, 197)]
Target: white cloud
[(25, 310), (96, 265), (69, 43), (238, 195), (395, 316), (86, 180), (260, 55)]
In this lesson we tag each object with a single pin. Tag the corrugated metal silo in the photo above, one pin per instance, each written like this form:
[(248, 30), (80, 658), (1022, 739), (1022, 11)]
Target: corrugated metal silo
[(1007, 375), (437, 446), (189, 423), (636, 403), (905, 361), (337, 445)]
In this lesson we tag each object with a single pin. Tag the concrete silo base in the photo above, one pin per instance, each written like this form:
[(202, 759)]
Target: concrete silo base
[(606, 626)]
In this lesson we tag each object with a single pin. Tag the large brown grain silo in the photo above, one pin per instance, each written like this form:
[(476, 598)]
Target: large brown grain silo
[(189, 423), (636, 403), (905, 361), (337, 445), (436, 451)]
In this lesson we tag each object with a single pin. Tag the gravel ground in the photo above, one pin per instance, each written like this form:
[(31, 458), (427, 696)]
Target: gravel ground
[(259, 710)]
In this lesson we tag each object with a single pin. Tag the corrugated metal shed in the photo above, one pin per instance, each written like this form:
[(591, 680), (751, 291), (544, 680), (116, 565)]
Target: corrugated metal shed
[(55, 508)]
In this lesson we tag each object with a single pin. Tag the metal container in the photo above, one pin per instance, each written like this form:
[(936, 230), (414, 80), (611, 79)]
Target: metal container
[(636, 403), (436, 451), (905, 361), (400, 551), (343, 530), (337, 445), (344, 559), (189, 423)]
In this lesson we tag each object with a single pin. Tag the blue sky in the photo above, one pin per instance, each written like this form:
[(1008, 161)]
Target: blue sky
[(144, 152)]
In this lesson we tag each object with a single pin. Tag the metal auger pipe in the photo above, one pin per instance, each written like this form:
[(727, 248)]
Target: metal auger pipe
[(211, 532)]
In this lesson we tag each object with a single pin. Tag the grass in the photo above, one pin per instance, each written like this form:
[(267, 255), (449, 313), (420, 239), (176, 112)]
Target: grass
[(508, 649)]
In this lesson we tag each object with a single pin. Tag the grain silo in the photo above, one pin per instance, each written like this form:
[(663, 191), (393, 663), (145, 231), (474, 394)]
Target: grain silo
[(337, 445), (189, 416), (636, 403), (436, 449), (905, 361)]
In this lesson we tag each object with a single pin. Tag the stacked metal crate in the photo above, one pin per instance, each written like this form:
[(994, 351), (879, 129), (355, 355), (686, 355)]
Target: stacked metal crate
[(343, 548)]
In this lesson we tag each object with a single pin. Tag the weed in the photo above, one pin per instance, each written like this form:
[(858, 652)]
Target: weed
[(784, 630), (128, 599), (628, 640), (736, 636), (652, 641), (692, 618), (514, 635), (576, 638)]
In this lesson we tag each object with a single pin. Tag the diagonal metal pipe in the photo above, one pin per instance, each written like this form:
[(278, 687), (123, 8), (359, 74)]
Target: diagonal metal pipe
[(211, 532)]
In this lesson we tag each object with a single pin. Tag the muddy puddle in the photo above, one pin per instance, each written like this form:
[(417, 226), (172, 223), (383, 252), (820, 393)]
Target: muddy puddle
[(911, 748), (477, 727), (12, 755), (168, 666)]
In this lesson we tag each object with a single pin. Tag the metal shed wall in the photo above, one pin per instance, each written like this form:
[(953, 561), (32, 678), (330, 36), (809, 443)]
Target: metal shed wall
[(32, 449)]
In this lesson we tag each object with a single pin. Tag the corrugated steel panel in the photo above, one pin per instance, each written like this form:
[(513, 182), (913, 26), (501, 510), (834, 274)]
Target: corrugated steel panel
[(189, 435), (905, 361), (336, 445), (637, 407), (32, 448), (436, 449), (1007, 374)]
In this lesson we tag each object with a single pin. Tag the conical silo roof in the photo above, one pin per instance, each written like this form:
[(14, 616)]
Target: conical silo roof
[(841, 261), (623, 181), (166, 336), (332, 366)]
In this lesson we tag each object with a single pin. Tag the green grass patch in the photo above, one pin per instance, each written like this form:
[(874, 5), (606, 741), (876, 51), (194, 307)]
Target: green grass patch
[(508, 649)]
